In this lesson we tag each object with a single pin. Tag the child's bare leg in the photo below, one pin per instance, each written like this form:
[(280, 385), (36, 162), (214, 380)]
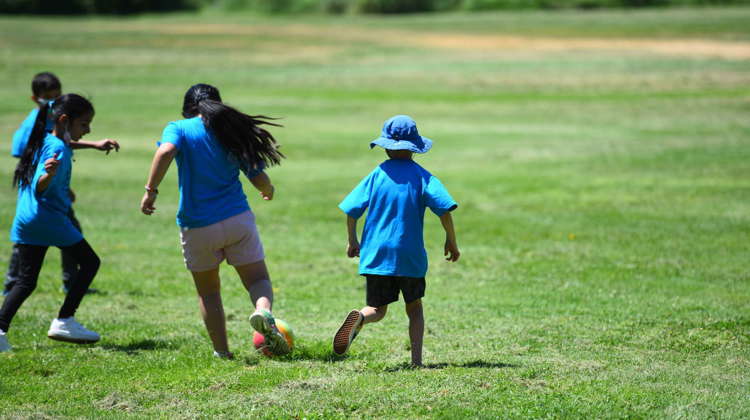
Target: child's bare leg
[(256, 280), (373, 314), (416, 330), (208, 286)]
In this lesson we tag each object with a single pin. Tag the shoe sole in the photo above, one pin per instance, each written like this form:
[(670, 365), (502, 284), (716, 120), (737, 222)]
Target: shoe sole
[(344, 336), (271, 335), (71, 340)]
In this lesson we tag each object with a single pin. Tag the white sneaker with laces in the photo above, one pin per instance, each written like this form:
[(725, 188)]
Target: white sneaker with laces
[(263, 322), (4, 344), (68, 329)]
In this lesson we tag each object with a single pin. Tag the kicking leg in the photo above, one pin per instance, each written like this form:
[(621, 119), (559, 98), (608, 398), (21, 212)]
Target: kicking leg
[(373, 313), (353, 323), (256, 280)]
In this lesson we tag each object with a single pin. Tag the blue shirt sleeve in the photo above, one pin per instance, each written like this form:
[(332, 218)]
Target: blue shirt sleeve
[(437, 197), (172, 134), (355, 204), (251, 173), (47, 152), (21, 136)]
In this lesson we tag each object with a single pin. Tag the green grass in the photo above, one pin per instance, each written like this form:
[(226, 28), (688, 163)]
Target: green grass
[(603, 216)]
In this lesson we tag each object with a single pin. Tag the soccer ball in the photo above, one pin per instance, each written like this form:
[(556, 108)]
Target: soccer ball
[(284, 329)]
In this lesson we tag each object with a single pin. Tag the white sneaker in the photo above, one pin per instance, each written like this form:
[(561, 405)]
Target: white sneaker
[(224, 355), (4, 344), (263, 322), (68, 329)]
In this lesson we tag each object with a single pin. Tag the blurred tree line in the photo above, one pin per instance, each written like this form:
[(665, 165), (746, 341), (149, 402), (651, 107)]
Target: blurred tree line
[(78, 7), (56, 7)]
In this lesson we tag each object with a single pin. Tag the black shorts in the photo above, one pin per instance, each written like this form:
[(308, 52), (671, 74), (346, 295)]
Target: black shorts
[(382, 290)]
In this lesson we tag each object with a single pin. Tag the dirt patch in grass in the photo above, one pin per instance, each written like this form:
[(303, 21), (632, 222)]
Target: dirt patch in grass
[(341, 34), (115, 401), (678, 47)]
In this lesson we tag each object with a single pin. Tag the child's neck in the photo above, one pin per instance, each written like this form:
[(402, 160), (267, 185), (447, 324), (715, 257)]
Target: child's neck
[(400, 154)]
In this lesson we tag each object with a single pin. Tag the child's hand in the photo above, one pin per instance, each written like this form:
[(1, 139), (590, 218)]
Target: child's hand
[(267, 193), (352, 249), (147, 203), (72, 195), (107, 145), (451, 251), (51, 164)]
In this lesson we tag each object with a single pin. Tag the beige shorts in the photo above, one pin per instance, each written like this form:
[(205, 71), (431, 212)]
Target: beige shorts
[(235, 239)]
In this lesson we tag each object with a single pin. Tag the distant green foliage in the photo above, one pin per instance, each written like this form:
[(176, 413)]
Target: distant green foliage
[(53, 7), (416, 6), (581, 4), (72, 7), (268, 6), (395, 6)]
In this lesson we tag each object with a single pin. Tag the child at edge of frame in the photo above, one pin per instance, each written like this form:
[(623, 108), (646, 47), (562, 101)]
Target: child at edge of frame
[(42, 177), (392, 256)]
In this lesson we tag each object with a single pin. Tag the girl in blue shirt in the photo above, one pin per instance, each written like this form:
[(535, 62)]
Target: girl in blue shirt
[(45, 88), (43, 181), (212, 145)]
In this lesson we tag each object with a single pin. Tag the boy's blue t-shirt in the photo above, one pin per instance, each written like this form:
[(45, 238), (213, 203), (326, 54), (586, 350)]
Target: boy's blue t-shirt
[(42, 218), (208, 175), (395, 196), (21, 136)]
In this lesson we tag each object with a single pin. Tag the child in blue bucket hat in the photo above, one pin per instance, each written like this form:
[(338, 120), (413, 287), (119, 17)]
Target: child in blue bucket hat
[(392, 256)]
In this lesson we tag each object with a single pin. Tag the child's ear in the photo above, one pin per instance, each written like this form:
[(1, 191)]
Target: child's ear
[(62, 119)]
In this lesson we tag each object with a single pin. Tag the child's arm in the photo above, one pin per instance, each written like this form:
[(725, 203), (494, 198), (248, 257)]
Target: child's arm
[(50, 166), (451, 248), (352, 249), (105, 145), (262, 183), (162, 159)]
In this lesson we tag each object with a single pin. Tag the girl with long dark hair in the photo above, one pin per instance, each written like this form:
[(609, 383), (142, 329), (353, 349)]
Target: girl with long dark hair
[(42, 177), (212, 145), (45, 88)]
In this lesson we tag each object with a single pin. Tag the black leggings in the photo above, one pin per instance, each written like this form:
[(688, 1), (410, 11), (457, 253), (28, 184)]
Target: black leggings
[(30, 260), (69, 263)]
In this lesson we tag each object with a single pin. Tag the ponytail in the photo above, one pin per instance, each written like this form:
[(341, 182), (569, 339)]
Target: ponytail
[(26, 167), (241, 134), (72, 105), (238, 133)]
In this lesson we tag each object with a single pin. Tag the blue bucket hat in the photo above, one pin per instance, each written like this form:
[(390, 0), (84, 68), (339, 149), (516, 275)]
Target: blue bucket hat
[(400, 133)]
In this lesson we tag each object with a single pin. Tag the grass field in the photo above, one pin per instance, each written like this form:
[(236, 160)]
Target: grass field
[(601, 165)]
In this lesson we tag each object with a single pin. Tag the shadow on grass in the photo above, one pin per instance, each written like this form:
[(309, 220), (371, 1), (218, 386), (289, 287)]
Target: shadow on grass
[(136, 347), (473, 364), (320, 352)]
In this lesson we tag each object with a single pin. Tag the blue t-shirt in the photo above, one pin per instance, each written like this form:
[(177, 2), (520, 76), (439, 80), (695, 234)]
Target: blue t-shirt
[(42, 218), (395, 196), (208, 175), (21, 136)]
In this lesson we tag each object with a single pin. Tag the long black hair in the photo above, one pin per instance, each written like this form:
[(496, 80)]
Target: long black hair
[(238, 133), (72, 105)]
